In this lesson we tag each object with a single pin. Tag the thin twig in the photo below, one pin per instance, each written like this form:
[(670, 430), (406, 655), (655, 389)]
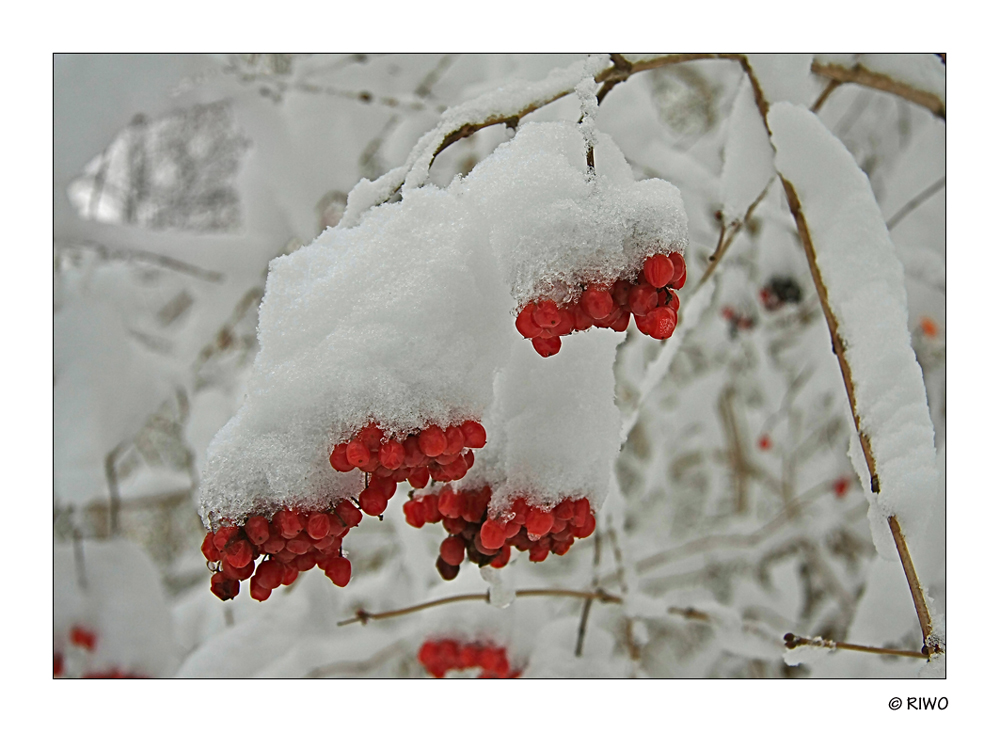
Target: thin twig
[(589, 602), (858, 74), (834, 83), (726, 239), (363, 617), (149, 258), (915, 202), (81, 568), (792, 641)]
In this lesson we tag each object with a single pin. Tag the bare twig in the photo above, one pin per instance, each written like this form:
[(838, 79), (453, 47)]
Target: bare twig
[(792, 641), (114, 497), (149, 258), (81, 568), (728, 234), (915, 202), (834, 83), (363, 617), (589, 602), (858, 74)]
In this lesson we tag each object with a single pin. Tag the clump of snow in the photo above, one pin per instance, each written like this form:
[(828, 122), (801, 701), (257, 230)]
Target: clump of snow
[(554, 228), (556, 425), (784, 77), (864, 282), (748, 158), (923, 71), (401, 320)]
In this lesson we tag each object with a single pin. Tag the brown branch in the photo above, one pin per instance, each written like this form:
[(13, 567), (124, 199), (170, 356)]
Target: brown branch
[(363, 617), (858, 74), (728, 234), (585, 615), (792, 641), (915, 202), (149, 258), (821, 99)]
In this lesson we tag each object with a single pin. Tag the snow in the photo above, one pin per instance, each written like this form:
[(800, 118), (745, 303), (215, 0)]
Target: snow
[(552, 228), (121, 600), (784, 77), (553, 426), (748, 156), (923, 71), (401, 320), (864, 278)]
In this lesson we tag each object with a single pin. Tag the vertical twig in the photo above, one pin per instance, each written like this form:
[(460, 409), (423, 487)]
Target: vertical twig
[(587, 603), (114, 498), (81, 568)]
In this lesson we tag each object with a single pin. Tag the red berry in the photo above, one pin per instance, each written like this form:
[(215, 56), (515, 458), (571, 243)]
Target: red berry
[(453, 525), (547, 346), (589, 525), (392, 454), (237, 573), (225, 588), (642, 299), (57, 665), (764, 443), (566, 323), (339, 571), (386, 486), (525, 322), (258, 591), (619, 292), (373, 501), (456, 440), (328, 544), (413, 456), (224, 536), (305, 562), (547, 314), (257, 530), (269, 574), (468, 656), (538, 553), (492, 534), (446, 571), (413, 510), (318, 525), (564, 510), (453, 550), (841, 486), (289, 573), (597, 303), (661, 323), (502, 558), (581, 320), (659, 270), (273, 546), (358, 454), (432, 441), (430, 505), (621, 323), (288, 523), (300, 544), (539, 522), (419, 477), (680, 271), (239, 553), (208, 548), (371, 437), (338, 458), (349, 513), (451, 503), (79, 636), (474, 433)]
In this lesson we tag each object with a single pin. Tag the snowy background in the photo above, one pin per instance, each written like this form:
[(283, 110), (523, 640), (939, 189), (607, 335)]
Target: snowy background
[(734, 513)]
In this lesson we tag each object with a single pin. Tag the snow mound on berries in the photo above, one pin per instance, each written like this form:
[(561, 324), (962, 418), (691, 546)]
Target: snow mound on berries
[(554, 425), (554, 227), (402, 320), (864, 281)]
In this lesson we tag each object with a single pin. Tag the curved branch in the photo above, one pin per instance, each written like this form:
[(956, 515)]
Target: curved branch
[(858, 74)]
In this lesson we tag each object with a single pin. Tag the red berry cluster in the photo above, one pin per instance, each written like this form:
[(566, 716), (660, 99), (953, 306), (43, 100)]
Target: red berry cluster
[(840, 487), (651, 298), (113, 673), (440, 656), (293, 542), (83, 637), (778, 291), (737, 321), (442, 454), (488, 540)]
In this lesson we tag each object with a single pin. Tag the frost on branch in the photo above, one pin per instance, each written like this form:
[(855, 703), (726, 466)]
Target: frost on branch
[(864, 282)]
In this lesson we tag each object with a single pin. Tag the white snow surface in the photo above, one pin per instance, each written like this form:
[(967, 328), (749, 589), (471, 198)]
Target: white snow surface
[(401, 320), (553, 426), (553, 227), (784, 77), (864, 280), (748, 156)]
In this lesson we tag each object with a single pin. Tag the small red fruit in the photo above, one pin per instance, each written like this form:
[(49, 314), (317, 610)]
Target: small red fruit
[(492, 534), (659, 270), (318, 525), (539, 522), (339, 571), (475, 434), (764, 442), (432, 441), (373, 501), (642, 299), (680, 271), (79, 636), (547, 346), (547, 314), (358, 454), (596, 303), (453, 550), (225, 588), (525, 322), (257, 530), (349, 513), (419, 477), (391, 455), (338, 459)]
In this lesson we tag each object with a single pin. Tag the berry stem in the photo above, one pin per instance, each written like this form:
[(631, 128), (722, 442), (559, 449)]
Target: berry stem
[(362, 616)]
